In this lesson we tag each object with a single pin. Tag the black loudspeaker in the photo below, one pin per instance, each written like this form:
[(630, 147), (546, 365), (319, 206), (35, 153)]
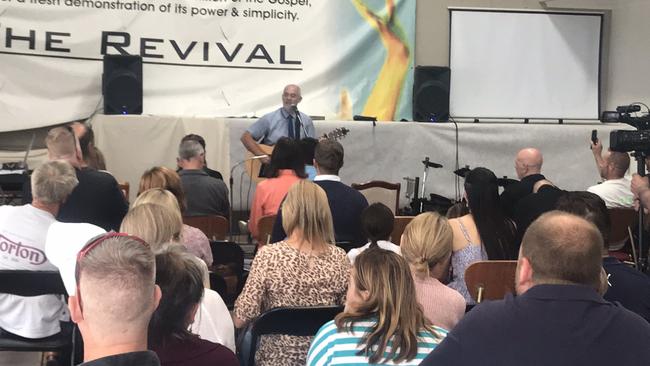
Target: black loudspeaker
[(122, 84), (431, 93)]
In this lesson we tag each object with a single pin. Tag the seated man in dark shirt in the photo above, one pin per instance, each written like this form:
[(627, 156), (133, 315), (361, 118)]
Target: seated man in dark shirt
[(115, 297), (97, 199), (557, 318), (201, 140), (626, 285), (204, 194), (346, 203), (528, 165)]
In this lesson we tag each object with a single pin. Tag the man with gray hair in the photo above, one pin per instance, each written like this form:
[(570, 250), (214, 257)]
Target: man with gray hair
[(558, 317), (23, 230), (114, 299), (204, 194)]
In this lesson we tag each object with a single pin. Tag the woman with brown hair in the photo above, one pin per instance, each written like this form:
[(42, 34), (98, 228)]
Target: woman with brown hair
[(305, 269), (161, 177), (426, 246), (380, 318)]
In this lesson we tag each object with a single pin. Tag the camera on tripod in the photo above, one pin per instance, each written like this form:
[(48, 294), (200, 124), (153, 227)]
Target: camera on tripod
[(626, 141)]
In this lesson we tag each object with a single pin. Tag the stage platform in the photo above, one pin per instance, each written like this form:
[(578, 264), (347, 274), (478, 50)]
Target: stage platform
[(388, 151)]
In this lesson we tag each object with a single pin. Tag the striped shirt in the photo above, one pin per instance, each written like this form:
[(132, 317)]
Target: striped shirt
[(331, 347)]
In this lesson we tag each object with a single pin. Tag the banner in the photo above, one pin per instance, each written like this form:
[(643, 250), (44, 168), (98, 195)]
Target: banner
[(207, 58)]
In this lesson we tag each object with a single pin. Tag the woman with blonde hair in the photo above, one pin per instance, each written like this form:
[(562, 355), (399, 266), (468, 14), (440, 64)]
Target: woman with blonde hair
[(155, 224), (426, 246), (192, 238), (305, 269), (161, 177), (380, 323)]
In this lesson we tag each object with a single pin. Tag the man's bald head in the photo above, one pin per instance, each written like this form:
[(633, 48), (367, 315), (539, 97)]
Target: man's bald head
[(561, 248), (528, 162)]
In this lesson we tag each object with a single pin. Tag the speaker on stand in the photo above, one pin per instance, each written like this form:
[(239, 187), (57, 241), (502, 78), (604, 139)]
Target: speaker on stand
[(431, 93), (122, 84)]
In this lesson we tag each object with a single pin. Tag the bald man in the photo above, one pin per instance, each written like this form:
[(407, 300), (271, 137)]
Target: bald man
[(528, 165), (282, 122), (615, 187), (557, 318)]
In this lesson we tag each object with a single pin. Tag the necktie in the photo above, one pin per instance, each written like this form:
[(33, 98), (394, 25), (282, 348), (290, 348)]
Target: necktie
[(296, 128), (291, 133)]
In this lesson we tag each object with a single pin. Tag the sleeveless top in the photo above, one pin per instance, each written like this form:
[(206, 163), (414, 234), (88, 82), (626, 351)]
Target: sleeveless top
[(461, 259)]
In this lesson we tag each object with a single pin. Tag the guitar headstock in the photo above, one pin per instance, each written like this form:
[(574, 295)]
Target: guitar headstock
[(336, 134)]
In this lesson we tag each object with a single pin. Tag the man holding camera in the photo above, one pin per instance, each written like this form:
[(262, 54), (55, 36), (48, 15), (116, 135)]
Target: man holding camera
[(612, 166)]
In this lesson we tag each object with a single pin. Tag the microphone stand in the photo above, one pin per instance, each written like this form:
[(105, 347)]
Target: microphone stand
[(295, 109), (232, 183)]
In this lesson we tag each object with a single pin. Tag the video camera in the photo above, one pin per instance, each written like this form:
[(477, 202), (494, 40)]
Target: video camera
[(626, 141)]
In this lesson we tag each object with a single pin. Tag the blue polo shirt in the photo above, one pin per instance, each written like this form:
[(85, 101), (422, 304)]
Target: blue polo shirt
[(559, 325), (275, 125)]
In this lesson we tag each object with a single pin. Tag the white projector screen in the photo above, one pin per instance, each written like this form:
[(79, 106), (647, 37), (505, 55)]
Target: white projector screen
[(522, 64)]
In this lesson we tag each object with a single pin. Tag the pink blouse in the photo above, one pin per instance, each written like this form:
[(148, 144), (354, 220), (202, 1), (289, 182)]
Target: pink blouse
[(268, 196), (443, 306), (197, 243)]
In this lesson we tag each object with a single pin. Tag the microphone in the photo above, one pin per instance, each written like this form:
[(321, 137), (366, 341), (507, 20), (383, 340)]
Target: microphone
[(628, 108), (364, 118)]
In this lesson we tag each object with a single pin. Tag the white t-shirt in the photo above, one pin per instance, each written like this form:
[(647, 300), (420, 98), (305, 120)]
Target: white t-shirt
[(383, 244), (23, 230), (615, 192), (213, 322)]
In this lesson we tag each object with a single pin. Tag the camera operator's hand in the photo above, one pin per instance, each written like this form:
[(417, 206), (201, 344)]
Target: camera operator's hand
[(596, 148)]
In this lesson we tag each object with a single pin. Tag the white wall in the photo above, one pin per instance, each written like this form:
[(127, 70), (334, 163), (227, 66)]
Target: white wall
[(625, 73)]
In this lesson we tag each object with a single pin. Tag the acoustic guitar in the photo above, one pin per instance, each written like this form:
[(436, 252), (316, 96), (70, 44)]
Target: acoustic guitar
[(254, 167)]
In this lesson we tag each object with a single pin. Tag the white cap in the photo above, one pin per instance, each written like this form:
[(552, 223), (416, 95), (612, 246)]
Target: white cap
[(64, 241)]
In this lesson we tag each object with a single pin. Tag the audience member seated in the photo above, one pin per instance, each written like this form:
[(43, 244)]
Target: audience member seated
[(557, 317), (23, 232), (201, 140), (304, 270), (484, 233), (97, 199), (92, 156), (426, 246), (308, 148), (155, 224), (529, 208), (346, 203), (113, 318), (528, 165), (615, 187), (181, 282), (626, 285), (381, 323), (192, 238), (286, 168), (377, 223), (204, 194)]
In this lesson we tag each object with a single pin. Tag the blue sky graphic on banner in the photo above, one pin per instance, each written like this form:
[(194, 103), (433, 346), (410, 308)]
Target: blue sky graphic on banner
[(207, 58)]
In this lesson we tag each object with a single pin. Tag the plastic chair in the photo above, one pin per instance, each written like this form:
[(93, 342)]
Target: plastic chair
[(490, 280), (228, 263), (213, 226), (36, 283), (380, 191), (300, 321)]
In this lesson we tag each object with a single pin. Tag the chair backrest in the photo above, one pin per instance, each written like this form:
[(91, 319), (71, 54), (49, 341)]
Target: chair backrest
[(124, 188), (398, 228), (490, 280), (380, 191), (621, 219), (213, 226), (31, 283), (301, 321), (265, 229), (228, 263)]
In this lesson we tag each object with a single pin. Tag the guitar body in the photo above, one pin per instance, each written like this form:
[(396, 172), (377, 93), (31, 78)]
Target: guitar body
[(253, 166)]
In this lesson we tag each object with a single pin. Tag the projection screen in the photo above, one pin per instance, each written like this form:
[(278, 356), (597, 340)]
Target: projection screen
[(524, 64)]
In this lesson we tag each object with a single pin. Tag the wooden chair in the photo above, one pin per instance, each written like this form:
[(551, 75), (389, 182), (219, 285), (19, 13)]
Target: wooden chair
[(621, 219), (213, 226), (398, 228), (35, 283), (490, 280), (265, 229), (303, 321), (380, 191)]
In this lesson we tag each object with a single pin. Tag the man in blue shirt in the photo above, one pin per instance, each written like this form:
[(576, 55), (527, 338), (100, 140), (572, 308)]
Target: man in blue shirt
[(286, 121), (557, 318)]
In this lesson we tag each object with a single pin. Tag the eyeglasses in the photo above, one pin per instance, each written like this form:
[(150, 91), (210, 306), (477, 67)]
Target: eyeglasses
[(92, 244)]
